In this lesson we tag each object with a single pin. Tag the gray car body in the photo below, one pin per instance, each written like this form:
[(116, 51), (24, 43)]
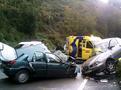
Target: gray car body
[(98, 62)]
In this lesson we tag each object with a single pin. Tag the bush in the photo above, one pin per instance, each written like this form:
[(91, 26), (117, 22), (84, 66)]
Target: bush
[(119, 70)]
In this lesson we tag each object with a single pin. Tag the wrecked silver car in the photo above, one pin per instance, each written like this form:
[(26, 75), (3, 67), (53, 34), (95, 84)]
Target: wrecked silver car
[(104, 62)]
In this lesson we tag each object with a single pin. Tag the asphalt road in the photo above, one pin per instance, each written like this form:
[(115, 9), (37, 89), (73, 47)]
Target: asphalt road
[(77, 83)]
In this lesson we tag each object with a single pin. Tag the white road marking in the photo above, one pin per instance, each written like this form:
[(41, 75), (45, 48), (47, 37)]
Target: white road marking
[(83, 84)]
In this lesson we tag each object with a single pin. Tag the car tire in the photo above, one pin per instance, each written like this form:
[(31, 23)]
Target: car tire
[(111, 67), (22, 76)]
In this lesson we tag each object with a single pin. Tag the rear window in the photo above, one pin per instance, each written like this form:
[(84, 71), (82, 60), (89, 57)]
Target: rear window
[(31, 50), (22, 57)]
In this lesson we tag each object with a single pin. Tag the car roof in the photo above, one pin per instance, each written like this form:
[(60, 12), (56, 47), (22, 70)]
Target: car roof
[(107, 40), (31, 42)]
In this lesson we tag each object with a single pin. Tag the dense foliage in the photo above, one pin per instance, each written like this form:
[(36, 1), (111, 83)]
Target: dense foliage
[(53, 20)]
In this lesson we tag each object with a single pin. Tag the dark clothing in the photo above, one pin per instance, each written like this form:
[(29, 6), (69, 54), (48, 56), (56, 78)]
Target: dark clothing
[(73, 54)]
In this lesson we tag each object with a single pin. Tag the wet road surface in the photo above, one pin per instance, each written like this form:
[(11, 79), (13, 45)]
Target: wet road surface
[(77, 83)]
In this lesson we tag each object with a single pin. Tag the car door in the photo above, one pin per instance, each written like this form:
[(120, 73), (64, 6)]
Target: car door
[(87, 49), (39, 64), (54, 67)]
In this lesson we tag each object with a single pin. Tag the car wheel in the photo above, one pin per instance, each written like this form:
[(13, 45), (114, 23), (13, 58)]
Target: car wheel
[(22, 76), (111, 67)]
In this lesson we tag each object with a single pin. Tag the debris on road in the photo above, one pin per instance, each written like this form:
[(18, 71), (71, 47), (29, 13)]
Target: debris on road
[(104, 80), (100, 74), (92, 79)]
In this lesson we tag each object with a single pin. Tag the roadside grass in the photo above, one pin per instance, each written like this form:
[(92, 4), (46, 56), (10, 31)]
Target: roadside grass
[(118, 75)]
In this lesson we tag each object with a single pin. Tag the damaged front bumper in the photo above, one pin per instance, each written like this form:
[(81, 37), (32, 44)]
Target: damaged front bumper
[(93, 69)]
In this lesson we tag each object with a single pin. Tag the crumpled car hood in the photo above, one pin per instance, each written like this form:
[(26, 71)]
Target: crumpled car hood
[(61, 55)]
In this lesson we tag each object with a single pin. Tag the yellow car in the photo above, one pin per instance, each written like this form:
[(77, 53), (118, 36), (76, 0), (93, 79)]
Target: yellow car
[(80, 47)]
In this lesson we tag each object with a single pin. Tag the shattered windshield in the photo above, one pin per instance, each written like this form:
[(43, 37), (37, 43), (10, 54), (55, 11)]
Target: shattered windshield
[(105, 44), (52, 58)]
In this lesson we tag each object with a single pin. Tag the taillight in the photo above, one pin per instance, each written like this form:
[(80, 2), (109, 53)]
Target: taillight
[(12, 62)]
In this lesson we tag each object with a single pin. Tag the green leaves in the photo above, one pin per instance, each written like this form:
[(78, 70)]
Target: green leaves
[(56, 19)]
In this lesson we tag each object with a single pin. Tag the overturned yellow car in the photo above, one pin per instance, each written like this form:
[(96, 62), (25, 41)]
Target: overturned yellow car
[(80, 47)]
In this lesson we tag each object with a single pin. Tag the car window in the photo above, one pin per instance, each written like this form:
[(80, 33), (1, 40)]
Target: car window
[(22, 57), (52, 58), (113, 42), (89, 44), (38, 57), (103, 46), (84, 43), (31, 50), (118, 41)]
